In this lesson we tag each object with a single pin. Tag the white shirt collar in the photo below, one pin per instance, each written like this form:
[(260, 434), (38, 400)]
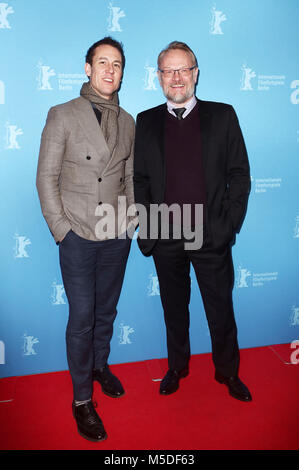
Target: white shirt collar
[(189, 106)]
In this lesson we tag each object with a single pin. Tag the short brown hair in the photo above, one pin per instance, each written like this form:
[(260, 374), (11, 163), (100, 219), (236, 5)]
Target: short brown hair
[(106, 41), (177, 45)]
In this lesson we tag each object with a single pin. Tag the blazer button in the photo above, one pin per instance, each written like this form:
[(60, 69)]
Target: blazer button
[(88, 157), (99, 180)]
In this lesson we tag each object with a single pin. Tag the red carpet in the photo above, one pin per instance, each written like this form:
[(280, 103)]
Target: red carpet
[(35, 411)]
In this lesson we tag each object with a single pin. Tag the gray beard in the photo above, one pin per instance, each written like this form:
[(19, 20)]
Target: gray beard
[(180, 99)]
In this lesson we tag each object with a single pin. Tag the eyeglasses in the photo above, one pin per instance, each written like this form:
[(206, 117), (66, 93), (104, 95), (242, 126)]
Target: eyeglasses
[(184, 71)]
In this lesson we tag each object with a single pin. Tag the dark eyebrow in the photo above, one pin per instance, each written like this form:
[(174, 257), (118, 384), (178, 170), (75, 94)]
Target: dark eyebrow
[(106, 58)]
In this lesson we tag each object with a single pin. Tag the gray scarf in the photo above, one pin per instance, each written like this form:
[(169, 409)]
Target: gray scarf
[(109, 110)]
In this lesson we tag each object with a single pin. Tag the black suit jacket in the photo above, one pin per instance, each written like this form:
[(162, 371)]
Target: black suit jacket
[(225, 164)]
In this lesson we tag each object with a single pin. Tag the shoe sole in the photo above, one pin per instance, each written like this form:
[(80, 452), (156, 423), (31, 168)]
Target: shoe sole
[(87, 437), (169, 393), (111, 395), (239, 398), (173, 391), (248, 399), (90, 438)]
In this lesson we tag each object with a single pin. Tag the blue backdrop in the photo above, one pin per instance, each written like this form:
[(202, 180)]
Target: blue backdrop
[(247, 56)]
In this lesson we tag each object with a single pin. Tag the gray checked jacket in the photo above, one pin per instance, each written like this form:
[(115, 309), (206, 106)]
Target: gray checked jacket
[(77, 177)]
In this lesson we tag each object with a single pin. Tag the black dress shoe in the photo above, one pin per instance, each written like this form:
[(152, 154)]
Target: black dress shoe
[(170, 382), (89, 423), (110, 384), (236, 388)]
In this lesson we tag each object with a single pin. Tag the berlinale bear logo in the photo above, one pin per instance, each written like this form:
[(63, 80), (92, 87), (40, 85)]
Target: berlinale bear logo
[(5, 10)]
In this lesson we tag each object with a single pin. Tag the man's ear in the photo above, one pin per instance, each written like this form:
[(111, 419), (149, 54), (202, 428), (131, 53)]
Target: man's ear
[(88, 69), (159, 75)]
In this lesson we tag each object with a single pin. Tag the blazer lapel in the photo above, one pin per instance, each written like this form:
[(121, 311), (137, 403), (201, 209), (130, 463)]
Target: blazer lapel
[(158, 129), (88, 121), (157, 139), (204, 117)]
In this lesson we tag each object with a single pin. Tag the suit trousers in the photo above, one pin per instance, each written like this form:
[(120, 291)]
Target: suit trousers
[(93, 273), (215, 277)]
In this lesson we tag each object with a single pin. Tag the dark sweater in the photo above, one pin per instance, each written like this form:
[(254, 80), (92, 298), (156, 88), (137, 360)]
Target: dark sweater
[(183, 161)]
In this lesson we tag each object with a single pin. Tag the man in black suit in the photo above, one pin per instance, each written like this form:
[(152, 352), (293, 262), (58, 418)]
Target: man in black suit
[(191, 153)]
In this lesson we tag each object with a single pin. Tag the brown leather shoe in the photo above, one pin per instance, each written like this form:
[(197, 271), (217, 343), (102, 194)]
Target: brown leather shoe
[(171, 381), (236, 388)]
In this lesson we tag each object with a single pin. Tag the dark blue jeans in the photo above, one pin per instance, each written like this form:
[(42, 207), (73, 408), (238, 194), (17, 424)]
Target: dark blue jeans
[(92, 273)]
